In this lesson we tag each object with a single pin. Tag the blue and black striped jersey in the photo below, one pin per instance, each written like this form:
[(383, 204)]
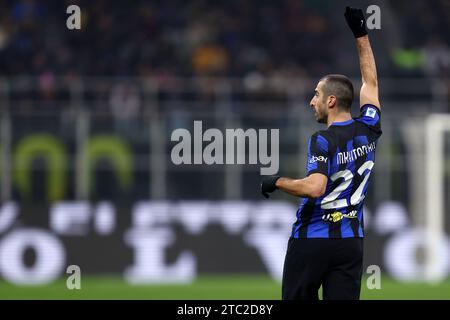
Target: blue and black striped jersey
[(345, 153)]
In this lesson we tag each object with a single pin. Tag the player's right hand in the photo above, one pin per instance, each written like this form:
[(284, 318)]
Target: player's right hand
[(268, 185)]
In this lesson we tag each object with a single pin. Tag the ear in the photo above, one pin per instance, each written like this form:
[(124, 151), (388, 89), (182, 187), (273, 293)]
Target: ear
[(331, 101)]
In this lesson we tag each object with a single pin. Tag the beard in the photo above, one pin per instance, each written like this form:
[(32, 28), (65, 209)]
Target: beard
[(320, 118)]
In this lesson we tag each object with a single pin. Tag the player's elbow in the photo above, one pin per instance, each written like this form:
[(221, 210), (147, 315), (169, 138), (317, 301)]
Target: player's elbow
[(315, 185), (317, 190), (316, 193)]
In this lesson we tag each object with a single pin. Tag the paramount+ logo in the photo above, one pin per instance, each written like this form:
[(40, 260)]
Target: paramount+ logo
[(319, 158)]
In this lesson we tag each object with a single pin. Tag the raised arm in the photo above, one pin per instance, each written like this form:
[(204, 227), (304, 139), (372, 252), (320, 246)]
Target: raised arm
[(369, 89)]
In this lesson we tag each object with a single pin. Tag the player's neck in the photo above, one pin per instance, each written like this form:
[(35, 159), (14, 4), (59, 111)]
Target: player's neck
[(340, 117)]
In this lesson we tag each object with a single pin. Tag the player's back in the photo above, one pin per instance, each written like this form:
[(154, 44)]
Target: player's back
[(345, 153)]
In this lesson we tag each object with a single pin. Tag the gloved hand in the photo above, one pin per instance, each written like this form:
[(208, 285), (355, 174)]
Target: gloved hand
[(268, 185), (356, 21)]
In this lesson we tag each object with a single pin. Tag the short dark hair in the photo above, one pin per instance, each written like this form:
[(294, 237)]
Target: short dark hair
[(341, 87)]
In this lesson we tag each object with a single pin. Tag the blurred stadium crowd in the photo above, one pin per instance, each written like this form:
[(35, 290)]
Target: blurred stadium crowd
[(226, 38)]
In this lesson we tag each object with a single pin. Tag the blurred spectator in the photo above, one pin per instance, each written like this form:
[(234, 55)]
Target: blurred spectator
[(27, 11), (125, 104), (436, 58), (210, 59)]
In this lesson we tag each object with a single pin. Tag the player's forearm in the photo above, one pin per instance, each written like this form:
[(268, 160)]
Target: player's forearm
[(299, 187), (367, 61)]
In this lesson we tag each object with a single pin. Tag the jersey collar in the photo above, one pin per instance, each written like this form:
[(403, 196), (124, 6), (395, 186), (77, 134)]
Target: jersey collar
[(343, 123)]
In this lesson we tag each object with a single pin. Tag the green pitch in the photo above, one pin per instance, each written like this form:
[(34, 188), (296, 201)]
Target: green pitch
[(206, 287)]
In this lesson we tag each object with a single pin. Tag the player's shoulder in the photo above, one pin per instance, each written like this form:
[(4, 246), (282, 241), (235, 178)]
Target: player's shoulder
[(322, 135), (324, 138)]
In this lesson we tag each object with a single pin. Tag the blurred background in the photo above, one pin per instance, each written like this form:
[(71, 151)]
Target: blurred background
[(86, 118)]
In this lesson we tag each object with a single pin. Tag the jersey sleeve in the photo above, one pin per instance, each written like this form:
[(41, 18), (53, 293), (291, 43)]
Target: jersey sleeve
[(371, 116), (318, 155)]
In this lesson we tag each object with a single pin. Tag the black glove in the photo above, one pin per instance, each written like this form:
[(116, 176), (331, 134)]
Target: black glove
[(268, 185), (356, 21)]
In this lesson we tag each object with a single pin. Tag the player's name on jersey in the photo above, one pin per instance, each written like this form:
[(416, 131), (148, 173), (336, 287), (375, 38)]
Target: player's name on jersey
[(352, 155)]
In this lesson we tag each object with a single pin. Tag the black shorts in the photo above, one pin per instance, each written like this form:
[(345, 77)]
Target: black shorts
[(334, 264)]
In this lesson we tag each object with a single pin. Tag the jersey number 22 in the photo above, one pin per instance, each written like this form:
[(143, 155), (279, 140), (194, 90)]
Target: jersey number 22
[(331, 202)]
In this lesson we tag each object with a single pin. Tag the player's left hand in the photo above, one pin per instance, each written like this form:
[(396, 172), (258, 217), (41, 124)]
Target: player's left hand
[(268, 185), (356, 21)]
